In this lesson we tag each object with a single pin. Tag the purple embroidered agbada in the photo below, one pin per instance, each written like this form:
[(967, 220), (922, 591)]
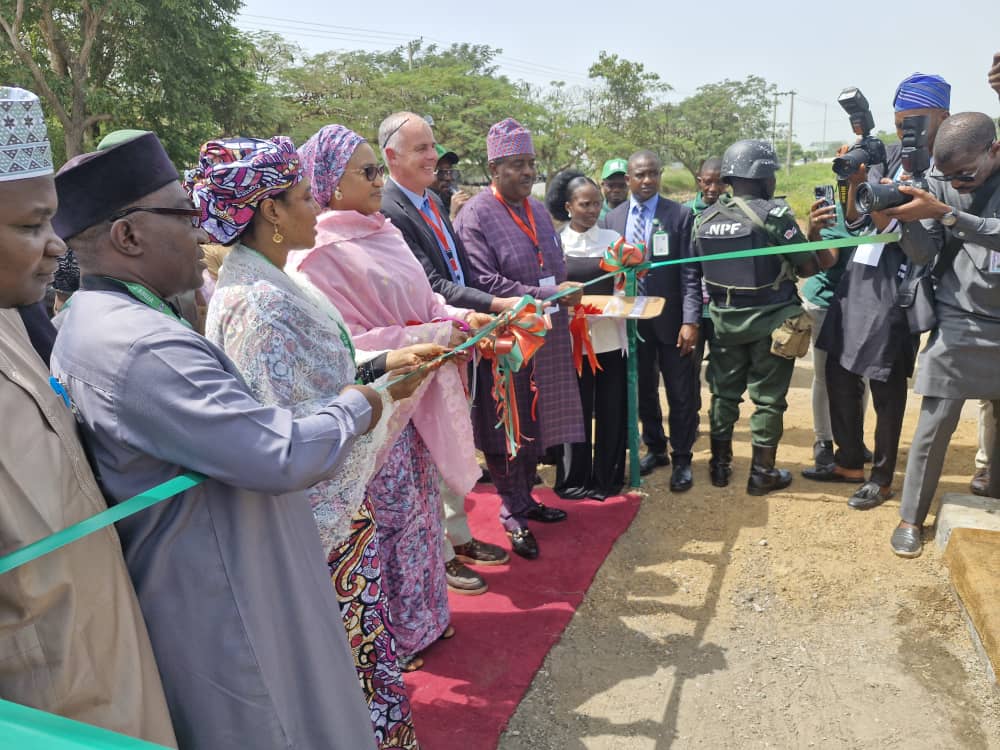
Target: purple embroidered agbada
[(503, 262)]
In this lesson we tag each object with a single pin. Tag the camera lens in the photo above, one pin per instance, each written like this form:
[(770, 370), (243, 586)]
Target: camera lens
[(878, 197)]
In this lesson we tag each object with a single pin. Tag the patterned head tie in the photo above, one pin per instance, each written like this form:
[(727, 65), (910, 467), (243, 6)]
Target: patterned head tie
[(24, 141), (325, 157), (508, 138), (234, 175), (922, 91)]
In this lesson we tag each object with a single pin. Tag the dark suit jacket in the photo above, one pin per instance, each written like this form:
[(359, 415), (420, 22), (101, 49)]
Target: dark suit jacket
[(424, 246), (681, 285)]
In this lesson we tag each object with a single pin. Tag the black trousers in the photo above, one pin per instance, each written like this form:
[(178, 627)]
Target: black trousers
[(682, 383), (845, 391), (599, 463)]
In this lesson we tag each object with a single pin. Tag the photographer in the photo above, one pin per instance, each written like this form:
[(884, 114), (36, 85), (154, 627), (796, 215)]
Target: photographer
[(961, 358), (866, 333)]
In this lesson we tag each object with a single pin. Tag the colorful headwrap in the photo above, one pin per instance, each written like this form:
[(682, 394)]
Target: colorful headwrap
[(234, 175), (325, 157), (508, 138), (922, 91), (24, 141)]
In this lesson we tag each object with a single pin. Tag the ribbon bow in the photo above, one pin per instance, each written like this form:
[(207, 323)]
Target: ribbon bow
[(579, 333), (512, 344), (621, 255)]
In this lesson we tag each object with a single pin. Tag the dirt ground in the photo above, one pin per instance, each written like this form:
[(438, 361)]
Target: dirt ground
[(720, 620)]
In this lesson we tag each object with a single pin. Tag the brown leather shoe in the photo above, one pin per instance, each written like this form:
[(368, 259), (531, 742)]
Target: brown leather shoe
[(477, 552), (980, 484), (463, 580)]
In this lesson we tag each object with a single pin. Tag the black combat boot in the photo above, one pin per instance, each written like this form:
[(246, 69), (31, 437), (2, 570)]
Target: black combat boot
[(720, 467), (764, 477)]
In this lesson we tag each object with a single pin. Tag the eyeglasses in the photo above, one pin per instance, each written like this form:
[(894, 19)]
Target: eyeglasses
[(372, 171), (443, 173), (194, 214), (393, 132), (962, 176)]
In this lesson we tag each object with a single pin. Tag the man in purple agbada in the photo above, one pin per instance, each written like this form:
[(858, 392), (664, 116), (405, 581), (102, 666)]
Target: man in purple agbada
[(514, 250)]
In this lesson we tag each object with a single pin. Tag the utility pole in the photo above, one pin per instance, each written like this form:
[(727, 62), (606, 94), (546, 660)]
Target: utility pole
[(791, 119), (774, 119)]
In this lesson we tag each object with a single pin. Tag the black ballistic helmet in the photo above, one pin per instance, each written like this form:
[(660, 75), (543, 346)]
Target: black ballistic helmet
[(752, 160)]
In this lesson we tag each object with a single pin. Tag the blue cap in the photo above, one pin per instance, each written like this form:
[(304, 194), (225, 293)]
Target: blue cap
[(922, 91)]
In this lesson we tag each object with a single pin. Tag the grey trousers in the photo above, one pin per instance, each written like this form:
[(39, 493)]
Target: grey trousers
[(987, 434), (938, 420)]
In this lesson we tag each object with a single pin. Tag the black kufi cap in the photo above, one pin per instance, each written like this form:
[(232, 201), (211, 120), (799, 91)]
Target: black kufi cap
[(91, 187)]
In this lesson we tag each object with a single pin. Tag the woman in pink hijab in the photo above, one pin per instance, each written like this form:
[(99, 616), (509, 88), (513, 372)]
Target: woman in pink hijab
[(362, 264)]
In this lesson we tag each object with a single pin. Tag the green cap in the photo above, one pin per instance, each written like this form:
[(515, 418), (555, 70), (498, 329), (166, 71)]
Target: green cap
[(613, 167), (442, 153), (116, 137)]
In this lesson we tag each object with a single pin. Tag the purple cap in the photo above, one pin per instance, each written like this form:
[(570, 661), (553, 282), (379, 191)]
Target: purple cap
[(508, 138)]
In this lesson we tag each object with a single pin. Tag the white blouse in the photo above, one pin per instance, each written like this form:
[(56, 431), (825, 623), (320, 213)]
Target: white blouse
[(606, 334)]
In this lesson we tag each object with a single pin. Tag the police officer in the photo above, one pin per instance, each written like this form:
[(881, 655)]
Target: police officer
[(749, 299)]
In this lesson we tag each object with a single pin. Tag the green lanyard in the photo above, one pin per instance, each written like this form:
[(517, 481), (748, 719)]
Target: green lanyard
[(145, 296)]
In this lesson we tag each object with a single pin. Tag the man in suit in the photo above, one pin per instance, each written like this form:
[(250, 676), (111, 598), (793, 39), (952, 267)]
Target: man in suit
[(407, 142), (664, 227)]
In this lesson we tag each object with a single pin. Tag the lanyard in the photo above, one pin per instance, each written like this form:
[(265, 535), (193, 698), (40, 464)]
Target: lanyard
[(138, 291), (438, 228), (531, 232)]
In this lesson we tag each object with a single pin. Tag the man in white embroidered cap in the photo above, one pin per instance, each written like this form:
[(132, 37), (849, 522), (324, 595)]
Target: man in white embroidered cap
[(72, 638)]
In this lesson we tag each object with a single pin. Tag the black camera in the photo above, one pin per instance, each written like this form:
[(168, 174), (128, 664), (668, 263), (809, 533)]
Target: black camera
[(869, 150), (916, 157)]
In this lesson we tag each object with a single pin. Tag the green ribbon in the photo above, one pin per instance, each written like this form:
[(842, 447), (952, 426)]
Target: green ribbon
[(70, 534), (27, 728), (799, 247)]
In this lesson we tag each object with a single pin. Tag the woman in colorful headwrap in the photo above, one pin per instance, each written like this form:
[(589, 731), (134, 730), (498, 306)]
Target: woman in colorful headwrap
[(596, 467), (293, 350), (365, 268)]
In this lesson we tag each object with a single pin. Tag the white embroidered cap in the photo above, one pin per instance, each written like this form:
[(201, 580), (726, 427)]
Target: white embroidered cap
[(24, 142)]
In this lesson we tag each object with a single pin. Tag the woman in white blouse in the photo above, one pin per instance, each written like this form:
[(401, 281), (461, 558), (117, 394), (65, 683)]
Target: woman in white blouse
[(595, 468)]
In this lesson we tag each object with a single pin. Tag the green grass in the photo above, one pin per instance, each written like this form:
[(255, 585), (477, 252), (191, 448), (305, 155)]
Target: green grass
[(678, 184)]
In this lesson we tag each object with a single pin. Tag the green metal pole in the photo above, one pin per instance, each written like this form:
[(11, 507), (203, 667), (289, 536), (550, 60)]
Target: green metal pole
[(632, 383)]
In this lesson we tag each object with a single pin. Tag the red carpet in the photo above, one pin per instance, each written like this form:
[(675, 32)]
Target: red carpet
[(471, 684)]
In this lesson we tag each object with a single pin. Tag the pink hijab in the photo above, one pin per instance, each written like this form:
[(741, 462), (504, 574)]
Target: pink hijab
[(367, 271)]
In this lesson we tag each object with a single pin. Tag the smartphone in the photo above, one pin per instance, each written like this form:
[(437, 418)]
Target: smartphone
[(825, 193)]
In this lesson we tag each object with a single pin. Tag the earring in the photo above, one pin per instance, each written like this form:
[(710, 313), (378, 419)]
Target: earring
[(278, 237), (338, 195)]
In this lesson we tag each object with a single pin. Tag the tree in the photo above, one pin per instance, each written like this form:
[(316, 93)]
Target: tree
[(709, 121), (626, 95), (179, 68)]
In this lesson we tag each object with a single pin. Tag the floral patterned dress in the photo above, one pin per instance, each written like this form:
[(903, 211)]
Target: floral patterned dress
[(290, 350)]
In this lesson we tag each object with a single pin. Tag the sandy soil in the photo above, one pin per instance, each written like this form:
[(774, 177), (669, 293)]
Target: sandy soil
[(725, 621)]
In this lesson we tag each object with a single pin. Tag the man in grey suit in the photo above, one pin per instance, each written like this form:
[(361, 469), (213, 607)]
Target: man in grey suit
[(407, 142), (669, 339), (961, 358)]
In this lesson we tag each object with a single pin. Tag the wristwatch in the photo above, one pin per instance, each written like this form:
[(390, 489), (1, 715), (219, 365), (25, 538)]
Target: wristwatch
[(949, 218)]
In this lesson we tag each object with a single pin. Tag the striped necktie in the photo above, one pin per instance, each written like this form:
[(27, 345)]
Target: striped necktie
[(639, 230)]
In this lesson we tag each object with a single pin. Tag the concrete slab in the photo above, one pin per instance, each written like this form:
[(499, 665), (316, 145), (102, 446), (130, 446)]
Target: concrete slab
[(973, 558), (965, 512)]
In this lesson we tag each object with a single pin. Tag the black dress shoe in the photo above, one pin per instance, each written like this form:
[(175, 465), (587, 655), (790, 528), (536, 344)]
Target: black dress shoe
[(544, 514), (829, 474), (650, 461), (868, 496), (866, 455), (906, 542), (522, 541), (681, 479), (573, 493)]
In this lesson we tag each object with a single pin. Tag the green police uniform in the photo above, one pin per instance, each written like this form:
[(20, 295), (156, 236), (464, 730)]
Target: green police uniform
[(750, 298)]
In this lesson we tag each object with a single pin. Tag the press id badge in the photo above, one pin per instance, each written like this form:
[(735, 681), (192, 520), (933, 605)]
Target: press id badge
[(549, 281), (661, 244), (994, 261)]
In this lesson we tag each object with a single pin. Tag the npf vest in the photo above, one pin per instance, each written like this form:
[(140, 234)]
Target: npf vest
[(746, 282)]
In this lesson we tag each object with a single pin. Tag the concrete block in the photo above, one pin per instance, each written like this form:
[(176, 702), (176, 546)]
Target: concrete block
[(973, 558), (965, 512)]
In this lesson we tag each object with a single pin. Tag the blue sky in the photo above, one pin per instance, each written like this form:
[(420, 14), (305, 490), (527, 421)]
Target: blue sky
[(807, 47)]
